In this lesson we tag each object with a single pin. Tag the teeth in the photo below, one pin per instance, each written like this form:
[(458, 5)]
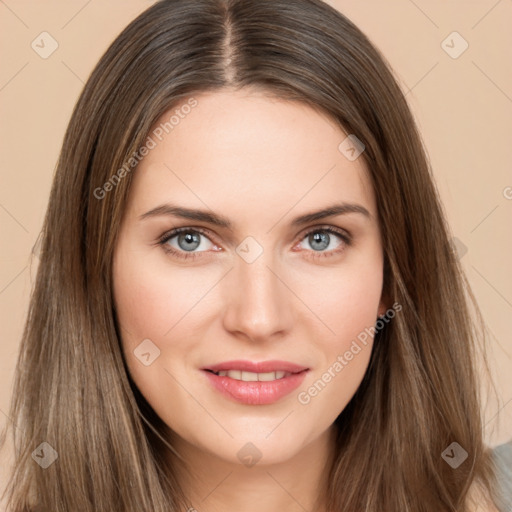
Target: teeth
[(267, 376), (251, 376)]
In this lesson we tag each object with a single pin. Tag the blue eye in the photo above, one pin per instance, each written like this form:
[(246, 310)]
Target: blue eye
[(321, 238), (189, 239)]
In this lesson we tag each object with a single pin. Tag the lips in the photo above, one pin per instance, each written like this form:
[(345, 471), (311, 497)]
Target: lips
[(253, 383), (260, 367)]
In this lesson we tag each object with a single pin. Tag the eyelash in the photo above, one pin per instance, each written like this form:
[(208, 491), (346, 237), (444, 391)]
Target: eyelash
[(345, 237)]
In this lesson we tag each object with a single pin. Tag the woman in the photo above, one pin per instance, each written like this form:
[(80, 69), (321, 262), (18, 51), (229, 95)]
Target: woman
[(313, 348)]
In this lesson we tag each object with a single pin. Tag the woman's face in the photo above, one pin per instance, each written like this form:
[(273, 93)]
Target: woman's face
[(274, 302)]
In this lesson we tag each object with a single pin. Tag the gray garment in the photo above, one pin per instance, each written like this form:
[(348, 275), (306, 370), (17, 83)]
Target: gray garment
[(502, 455)]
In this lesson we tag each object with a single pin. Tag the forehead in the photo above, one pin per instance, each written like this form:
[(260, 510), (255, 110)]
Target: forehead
[(250, 151)]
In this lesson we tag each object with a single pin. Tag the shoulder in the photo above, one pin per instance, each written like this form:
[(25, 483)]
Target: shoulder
[(479, 502), (478, 499)]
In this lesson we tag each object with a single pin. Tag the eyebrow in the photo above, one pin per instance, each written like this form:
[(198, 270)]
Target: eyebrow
[(221, 221)]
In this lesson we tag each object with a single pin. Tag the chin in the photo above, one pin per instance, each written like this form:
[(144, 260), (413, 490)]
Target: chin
[(257, 444)]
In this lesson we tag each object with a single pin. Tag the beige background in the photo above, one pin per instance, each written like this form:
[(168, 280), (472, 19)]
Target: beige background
[(463, 106)]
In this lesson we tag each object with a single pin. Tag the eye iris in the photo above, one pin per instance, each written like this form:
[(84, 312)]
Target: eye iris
[(189, 237), (321, 238)]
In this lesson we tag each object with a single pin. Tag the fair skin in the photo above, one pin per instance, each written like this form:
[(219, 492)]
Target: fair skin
[(259, 162)]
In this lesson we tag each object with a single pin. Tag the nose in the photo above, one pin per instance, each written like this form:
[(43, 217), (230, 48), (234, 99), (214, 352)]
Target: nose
[(259, 305)]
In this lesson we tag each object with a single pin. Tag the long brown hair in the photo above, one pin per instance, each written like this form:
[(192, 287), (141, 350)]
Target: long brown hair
[(72, 389)]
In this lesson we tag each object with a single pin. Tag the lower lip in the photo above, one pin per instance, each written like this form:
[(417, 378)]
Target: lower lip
[(256, 392)]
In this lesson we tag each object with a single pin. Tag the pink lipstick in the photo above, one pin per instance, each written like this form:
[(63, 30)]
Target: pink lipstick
[(255, 383)]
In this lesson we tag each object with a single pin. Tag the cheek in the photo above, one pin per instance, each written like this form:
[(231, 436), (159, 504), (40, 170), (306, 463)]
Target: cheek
[(351, 304), (156, 304), (348, 299), (348, 307), (150, 301), (152, 306), (140, 301)]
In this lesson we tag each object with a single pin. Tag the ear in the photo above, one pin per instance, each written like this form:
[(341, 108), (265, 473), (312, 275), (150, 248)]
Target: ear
[(384, 304), (382, 309)]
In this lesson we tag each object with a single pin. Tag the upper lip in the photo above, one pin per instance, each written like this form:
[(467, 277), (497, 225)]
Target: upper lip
[(257, 367)]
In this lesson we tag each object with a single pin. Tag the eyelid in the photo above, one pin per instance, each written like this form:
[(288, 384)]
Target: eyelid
[(345, 236), (343, 233), (171, 233)]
